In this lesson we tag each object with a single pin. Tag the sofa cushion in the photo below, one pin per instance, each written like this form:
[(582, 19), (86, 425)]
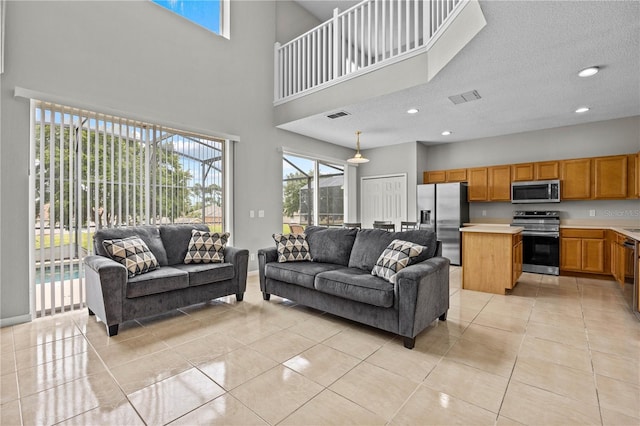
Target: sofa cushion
[(160, 280), (292, 247), (206, 247), (300, 273), (148, 233), (205, 273), (330, 245), (133, 253), (370, 243), (176, 240), (398, 255), (355, 284)]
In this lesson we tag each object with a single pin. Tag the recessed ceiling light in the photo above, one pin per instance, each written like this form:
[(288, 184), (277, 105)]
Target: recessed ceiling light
[(446, 133), (588, 72), (582, 109), (413, 111)]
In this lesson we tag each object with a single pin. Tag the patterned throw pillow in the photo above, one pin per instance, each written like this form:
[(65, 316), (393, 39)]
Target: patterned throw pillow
[(133, 253), (206, 247), (398, 255), (292, 247)]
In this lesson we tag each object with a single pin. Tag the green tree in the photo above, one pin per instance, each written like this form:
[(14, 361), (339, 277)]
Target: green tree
[(291, 193)]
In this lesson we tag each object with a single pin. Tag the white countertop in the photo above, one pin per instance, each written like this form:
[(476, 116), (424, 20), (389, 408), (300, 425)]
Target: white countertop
[(493, 229), (623, 229)]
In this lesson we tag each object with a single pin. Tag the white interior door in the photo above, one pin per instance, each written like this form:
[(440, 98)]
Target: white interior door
[(383, 198)]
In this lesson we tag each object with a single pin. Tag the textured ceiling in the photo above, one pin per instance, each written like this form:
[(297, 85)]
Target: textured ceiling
[(524, 64)]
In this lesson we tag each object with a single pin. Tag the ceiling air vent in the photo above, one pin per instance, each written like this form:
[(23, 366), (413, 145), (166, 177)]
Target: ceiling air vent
[(337, 114), (465, 97)]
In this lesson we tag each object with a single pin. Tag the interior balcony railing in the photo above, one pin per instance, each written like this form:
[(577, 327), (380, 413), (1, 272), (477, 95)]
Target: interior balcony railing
[(370, 35)]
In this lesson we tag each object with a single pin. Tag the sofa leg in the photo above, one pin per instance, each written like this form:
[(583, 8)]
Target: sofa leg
[(91, 313), (443, 317), (409, 342), (239, 297), (266, 296), (112, 330)]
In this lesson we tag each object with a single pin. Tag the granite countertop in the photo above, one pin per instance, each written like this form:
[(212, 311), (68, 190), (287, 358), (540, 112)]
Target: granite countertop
[(492, 229)]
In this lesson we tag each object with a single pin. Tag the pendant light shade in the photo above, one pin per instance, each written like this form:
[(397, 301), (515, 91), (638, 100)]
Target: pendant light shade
[(358, 158)]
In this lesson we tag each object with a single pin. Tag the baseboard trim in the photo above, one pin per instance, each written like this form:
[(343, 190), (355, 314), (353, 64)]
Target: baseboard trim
[(6, 322)]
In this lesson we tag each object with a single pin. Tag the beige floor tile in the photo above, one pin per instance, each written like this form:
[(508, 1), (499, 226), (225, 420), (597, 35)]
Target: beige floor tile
[(329, 408), (619, 396), (413, 364), (149, 369), (556, 319), (470, 299), (508, 341), (130, 349), (251, 331), (438, 408), (558, 353), (6, 340), (452, 326), (7, 363), (357, 342), (615, 344), (505, 421), (503, 322), (10, 414), (8, 388), (323, 364), (556, 333), (42, 332), (530, 405), (552, 304), (559, 379), (491, 359), (460, 313), (318, 329), (510, 305), (164, 320), (207, 347), (96, 333), (206, 310), (524, 289), (174, 397), (469, 384), (614, 418), (433, 341), (119, 414), (616, 367), (55, 373), (282, 345), (236, 367), (70, 399), (277, 393), (185, 331), (50, 351), (385, 391), (224, 410)]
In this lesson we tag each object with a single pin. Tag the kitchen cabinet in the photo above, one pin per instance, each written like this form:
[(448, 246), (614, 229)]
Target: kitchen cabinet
[(478, 184), (633, 187), (522, 172), (576, 179), (517, 254), (610, 177), (434, 176), (499, 183), (547, 170), (456, 175), (582, 250)]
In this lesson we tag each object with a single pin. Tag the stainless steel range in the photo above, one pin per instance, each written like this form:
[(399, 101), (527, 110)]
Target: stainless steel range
[(540, 240)]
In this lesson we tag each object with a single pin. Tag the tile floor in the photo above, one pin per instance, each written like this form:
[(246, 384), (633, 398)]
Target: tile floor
[(558, 350)]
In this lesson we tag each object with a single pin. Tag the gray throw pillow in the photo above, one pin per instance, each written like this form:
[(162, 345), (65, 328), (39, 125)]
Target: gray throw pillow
[(292, 247), (133, 253), (206, 247), (330, 245), (397, 256)]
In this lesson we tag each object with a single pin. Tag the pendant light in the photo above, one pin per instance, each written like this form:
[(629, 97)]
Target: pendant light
[(358, 158)]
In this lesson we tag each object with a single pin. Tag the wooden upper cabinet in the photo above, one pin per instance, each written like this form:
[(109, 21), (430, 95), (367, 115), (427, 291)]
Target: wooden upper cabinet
[(456, 175), (633, 186), (434, 176), (610, 177), (478, 184), (500, 183), (547, 170), (522, 172), (576, 179)]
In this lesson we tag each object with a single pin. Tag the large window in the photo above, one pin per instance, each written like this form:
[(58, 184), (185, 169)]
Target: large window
[(209, 14), (92, 171), (312, 192)]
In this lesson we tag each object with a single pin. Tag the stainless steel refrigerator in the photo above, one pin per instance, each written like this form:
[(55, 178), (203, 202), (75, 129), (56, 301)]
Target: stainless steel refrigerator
[(443, 208)]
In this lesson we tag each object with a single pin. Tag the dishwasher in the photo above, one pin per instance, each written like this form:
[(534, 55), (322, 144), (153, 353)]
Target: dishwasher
[(631, 280)]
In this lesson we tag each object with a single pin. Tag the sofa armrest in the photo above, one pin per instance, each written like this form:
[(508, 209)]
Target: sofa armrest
[(106, 282), (239, 258), (422, 294), (265, 256)]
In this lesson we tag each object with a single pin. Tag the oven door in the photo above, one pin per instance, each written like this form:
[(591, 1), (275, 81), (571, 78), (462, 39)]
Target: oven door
[(541, 252)]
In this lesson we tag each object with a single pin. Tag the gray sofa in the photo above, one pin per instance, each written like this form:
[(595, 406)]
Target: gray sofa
[(114, 297), (339, 279)]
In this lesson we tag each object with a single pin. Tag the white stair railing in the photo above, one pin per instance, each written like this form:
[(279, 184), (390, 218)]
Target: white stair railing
[(371, 34)]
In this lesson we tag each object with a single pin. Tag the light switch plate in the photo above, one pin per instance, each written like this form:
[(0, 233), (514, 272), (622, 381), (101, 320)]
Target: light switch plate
[(252, 213), (260, 213), (592, 212)]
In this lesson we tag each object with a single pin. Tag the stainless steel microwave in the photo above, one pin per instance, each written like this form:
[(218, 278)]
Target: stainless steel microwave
[(539, 191)]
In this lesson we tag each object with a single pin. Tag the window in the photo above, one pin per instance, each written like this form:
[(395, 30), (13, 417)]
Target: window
[(310, 201), (209, 14), (92, 171)]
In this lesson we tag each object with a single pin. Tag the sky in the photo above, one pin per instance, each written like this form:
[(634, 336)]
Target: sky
[(205, 13)]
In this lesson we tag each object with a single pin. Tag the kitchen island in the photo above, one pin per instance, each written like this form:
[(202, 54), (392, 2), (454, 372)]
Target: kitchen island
[(491, 257)]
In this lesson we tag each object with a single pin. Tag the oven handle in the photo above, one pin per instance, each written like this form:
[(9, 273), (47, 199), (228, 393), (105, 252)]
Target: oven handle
[(540, 234)]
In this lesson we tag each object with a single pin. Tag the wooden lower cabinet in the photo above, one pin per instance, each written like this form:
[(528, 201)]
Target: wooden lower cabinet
[(583, 250), (517, 259)]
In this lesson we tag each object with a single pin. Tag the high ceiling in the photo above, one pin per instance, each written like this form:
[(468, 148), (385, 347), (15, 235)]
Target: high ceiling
[(524, 65)]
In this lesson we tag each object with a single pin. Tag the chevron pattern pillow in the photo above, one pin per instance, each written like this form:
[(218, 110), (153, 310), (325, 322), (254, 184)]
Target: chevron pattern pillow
[(206, 247), (133, 253), (398, 255), (292, 247)]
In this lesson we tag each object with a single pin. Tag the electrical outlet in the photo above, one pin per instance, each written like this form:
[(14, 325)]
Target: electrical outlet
[(592, 213), (252, 256), (484, 212), (260, 213), (252, 214)]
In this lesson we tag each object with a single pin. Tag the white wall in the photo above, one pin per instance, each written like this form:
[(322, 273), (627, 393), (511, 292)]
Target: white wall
[(139, 59)]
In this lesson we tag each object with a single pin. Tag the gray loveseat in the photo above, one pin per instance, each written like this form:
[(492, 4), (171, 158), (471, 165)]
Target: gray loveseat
[(114, 297), (339, 279)]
